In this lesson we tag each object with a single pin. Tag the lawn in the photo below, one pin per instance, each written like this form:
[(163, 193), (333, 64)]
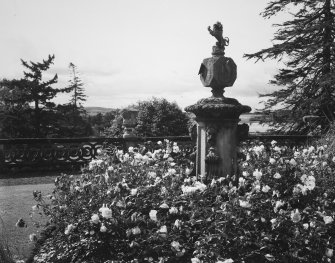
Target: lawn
[(16, 201)]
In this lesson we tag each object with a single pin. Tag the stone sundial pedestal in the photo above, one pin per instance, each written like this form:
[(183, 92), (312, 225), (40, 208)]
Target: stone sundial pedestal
[(217, 116)]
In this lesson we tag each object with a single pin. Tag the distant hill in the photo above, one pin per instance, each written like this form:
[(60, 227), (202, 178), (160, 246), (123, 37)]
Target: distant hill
[(95, 110)]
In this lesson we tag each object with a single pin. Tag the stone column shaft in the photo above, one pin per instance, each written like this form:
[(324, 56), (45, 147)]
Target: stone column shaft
[(201, 149)]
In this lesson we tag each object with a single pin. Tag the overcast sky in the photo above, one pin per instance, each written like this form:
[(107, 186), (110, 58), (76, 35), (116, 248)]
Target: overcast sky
[(130, 50)]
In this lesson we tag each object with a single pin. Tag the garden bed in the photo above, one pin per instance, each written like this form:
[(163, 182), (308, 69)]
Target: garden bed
[(145, 206)]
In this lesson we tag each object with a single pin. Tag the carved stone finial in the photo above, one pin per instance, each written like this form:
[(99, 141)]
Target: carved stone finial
[(221, 41), (218, 71)]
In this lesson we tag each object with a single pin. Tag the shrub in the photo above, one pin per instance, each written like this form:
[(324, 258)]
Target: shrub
[(144, 206)]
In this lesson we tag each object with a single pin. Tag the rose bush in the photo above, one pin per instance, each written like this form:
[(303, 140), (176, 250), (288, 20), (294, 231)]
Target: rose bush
[(144, 206)]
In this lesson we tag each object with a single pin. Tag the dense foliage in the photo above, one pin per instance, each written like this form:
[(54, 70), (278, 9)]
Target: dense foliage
[(156, 117), (305, 44), (144, 206), (159, 117), (14, 114), (108, 124)]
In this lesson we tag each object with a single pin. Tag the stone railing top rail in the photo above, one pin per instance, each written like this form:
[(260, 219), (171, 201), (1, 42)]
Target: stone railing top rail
[(90, 139), (144, 139)]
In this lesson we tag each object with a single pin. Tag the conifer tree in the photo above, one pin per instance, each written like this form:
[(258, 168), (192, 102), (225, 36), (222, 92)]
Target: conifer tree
[(76, 85), (71, 120), (305, 45), (40, 93)]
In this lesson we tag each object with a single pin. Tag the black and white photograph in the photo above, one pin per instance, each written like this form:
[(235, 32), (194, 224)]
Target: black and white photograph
[(167, 131)]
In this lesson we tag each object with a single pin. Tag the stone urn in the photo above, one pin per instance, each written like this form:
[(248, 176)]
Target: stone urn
[(129, 117)]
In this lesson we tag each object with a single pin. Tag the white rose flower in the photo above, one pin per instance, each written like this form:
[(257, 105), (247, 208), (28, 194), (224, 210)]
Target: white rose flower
[(152, 174), (173, 210), (131, 149), (175, 149), (277, 149), (188, 189), (273, 221), (309, 182), (153, 215), (106, 212), (328, 219), (229, 260), (278, 205), (188, 171), (272, 160), (293, 162), (136, 230), (266, 189), (295, 216), (95, 219), (133, 191), (221, 179), (275, 193), (329, 252), (213, 182), (277, 176), (200, 186), (103, 228), (269, 257), (311, 149), (244, 204), (258, 174), (164, 206), (68, 229), (257, 187), (163, 230), (241, 181), (273, 143), (177, 223), (176, 245)]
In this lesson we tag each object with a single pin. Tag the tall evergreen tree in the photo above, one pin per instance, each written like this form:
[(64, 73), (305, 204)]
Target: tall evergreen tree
[(306, 46), (40, 93), (76, 85)]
